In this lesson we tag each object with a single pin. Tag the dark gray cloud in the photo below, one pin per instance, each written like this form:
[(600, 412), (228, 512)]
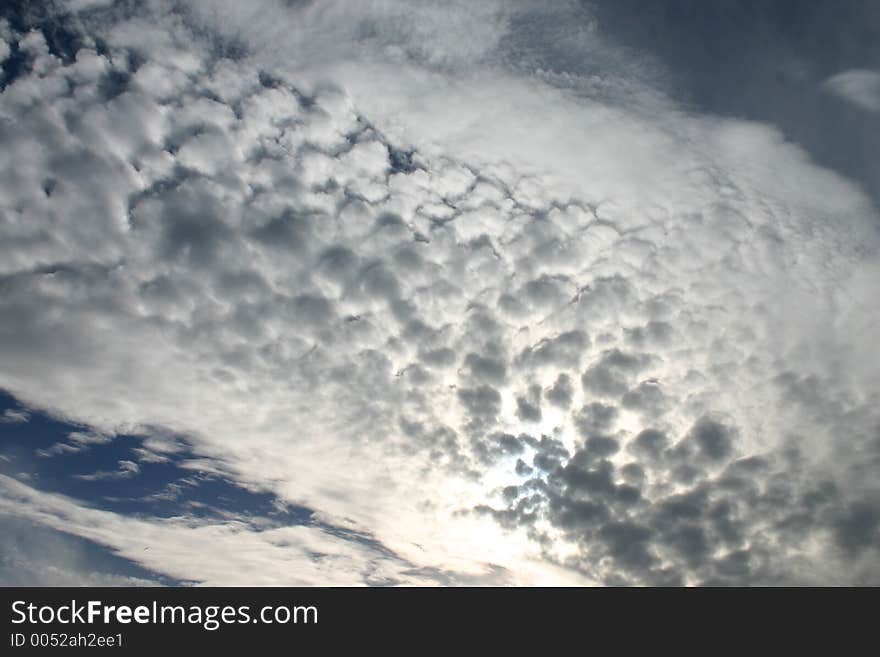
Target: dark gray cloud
[(561, 392), (723, 529), (611, 375), (528, 407), (595, 418)]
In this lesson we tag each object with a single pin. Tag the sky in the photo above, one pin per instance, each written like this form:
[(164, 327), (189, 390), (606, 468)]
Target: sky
[(439, 293)]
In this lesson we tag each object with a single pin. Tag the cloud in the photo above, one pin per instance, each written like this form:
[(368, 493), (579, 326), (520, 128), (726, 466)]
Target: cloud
[(62, 560), (125, 469), (14, 416), (861, 88), (493, 313)]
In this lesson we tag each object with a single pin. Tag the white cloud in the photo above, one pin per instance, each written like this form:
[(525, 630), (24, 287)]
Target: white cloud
[(859, 87), (239, 261)]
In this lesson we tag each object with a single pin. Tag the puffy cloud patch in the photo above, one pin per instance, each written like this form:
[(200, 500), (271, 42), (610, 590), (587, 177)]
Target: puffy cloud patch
[(488, 320)]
